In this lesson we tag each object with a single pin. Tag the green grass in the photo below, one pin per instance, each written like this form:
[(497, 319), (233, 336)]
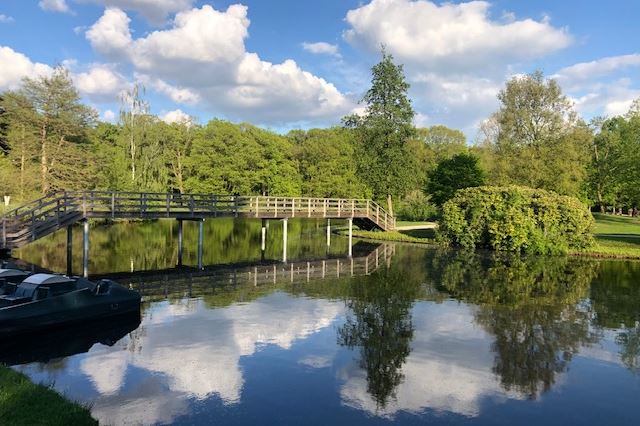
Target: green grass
[(410, 223), (25, 403), (420, 236), (616, 236)]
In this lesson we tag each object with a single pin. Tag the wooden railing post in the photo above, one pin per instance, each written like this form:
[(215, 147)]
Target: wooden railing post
[(293, 207), (309, 213), (235, 205), (257, 205), (113, 205), (353, 208), (4, 232), (168, 204), (33, 225)]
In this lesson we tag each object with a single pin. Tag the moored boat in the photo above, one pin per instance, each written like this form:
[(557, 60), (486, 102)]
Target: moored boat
[(43, 301), (9, 280)]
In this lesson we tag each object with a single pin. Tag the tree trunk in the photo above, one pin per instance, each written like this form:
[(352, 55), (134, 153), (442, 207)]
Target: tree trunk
[(44, 168)]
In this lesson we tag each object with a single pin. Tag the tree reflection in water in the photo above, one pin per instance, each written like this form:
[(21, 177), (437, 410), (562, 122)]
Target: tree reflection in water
[(533, 308), (615, 298), (380, 324)]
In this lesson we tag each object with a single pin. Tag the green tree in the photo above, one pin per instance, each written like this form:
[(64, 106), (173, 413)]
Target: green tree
[(241, 159), (606, 156), (327, 163), (383, 131), (460, 171), (47, 123), (540, 141)]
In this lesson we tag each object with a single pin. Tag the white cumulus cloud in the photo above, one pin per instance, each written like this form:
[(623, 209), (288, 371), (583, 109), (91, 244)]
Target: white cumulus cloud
[(176, 116), (100, 82), (321, 47), (456, 55), (155, 11), (55, 6), (5, 19), (16, 66), (202, 57), (452, 36)]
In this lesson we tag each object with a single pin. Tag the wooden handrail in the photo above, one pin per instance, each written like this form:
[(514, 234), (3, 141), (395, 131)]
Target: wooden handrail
[(49, 213)]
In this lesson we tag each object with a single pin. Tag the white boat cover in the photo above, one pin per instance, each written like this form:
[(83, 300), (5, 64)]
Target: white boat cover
[(39, 279)]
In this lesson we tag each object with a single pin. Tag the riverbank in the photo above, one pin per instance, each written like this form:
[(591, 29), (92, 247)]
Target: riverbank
[(25, 403), (615, 236)]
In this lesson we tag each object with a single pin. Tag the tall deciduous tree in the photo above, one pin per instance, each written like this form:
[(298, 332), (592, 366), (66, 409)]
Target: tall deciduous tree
[(383, 132), (326, 161), (133, 111), (540, 142)]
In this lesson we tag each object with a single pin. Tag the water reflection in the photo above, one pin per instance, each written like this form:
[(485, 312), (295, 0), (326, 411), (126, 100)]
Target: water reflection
[(397, 332)]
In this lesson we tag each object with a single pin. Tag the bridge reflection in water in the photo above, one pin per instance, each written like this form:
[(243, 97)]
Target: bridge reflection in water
[(366, 258)]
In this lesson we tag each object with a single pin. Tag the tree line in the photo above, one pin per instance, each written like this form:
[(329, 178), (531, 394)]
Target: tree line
[(50, 140)]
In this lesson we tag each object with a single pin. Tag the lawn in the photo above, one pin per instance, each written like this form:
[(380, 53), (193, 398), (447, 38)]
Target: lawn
[(25, 403), (616, 236)]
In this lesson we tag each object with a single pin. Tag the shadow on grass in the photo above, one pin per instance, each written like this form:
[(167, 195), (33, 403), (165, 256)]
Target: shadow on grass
[(420, 233), (618, 220), (620, 238)]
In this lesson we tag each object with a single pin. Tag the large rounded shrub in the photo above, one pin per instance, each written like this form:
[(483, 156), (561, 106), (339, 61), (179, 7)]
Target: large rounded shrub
[(516, 219)]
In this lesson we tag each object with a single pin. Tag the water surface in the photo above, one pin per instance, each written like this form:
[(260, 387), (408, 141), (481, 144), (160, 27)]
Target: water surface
[(398, 333)]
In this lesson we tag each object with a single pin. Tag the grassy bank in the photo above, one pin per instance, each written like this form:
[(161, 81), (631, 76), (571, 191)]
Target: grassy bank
[(420, 236), (25, 403), (616, 236)]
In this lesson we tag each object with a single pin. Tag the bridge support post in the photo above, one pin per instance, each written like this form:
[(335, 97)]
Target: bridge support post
[(350, 220), (263, 239), (69, 250), (328, 233), (285, 223), (180, 242), (85, 249), (200, 242)]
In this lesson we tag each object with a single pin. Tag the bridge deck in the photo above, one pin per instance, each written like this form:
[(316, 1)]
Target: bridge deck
[(57, 210)]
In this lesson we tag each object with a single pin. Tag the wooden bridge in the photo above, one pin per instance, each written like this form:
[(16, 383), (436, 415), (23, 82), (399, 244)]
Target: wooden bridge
[(62, 209)]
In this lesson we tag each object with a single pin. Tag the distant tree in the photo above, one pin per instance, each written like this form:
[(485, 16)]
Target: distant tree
[(606, 151), (458, 172), (540, 141), (241, 159), (133, 111), (327, 163), (382, 132), (47, 121)]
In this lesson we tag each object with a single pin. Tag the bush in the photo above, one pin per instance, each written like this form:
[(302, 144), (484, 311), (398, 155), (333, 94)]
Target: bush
[(416, 207), (516, 219)]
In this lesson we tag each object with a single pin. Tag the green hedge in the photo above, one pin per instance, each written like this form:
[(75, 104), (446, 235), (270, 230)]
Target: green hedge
[(516, 219)]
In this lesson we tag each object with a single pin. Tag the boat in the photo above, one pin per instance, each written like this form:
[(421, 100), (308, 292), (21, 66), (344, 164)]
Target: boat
[(10, 278), (43, 301)]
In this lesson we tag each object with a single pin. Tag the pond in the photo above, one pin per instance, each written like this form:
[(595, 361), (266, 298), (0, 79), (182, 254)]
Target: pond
[(397, 333)]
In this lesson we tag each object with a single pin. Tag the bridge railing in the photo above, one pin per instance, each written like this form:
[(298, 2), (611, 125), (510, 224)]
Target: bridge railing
[(43, 216)]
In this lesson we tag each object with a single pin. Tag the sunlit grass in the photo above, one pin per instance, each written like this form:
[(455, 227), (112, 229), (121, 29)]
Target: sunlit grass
[(616, 236), (25, 403)]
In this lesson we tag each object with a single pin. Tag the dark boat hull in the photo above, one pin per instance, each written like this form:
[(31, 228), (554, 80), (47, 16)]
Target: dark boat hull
[(76, 306)]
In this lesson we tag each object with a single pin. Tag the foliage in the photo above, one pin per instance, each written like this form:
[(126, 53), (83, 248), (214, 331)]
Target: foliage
[(326, 160), (416, 206), (25, 403), (535, 139), (529, 304), (458, 172), (46, 139), (516, 219), (241, 159), (383, 131)]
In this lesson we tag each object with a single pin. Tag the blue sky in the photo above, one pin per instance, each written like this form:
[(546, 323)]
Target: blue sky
[(298, 64)]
